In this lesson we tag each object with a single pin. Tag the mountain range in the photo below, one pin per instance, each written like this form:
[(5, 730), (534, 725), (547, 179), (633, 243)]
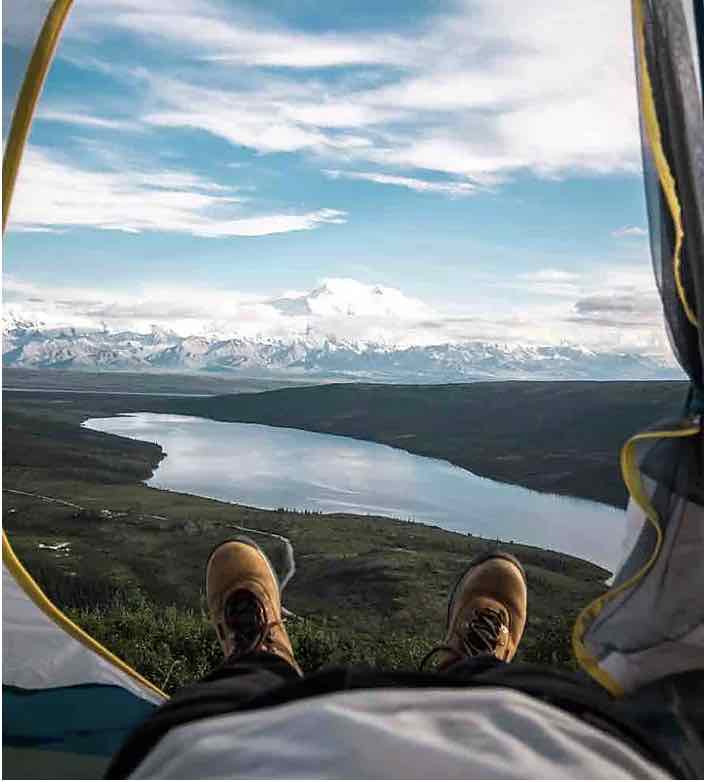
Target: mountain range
[(29, 343)]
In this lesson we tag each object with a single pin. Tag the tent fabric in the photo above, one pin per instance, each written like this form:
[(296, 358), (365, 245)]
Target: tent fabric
[(673, 149), (60, 697), (85, 720), (655, 627), (38, 653), (651, 622), (694, 13)]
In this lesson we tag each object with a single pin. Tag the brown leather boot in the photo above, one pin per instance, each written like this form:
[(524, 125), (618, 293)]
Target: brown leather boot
[(244, 601), (486, 613)]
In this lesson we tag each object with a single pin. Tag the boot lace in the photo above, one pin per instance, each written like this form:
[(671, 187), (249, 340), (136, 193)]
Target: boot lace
[(479, 634), (246, 623)]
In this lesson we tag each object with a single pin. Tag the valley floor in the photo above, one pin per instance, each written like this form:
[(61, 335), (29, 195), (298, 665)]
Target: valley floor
[(365, 589)]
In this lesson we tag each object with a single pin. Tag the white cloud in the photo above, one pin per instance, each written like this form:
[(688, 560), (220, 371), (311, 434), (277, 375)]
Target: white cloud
[(239, 45), (538, 99), (483, 90), (86, 120), (340, 306), (454, 189), (273, 224), (187, 311), (550, 275), (228, 35), (54, 193), (629, 231), (348, 298), (606, 307), (623, 316), (551, 282), (265, 115)]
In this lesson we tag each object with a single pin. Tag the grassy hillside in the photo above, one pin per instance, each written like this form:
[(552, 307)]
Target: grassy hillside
[(366, 589)]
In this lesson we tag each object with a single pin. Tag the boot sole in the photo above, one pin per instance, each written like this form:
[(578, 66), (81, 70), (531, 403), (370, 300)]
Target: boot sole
[(479, 560), (249, 542)]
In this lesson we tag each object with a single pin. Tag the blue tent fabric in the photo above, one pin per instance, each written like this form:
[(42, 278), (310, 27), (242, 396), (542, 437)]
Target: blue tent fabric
[(91, 719)]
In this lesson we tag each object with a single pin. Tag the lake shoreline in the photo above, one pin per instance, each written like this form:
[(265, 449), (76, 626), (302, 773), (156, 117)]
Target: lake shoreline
[(433, 491), (561, 438)]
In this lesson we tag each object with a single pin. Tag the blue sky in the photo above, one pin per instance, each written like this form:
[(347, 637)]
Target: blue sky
[(480, 157)]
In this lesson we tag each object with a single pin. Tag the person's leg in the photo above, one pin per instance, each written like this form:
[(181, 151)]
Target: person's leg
[(486, 616), (658, 721), (485, 621), (244, 603)]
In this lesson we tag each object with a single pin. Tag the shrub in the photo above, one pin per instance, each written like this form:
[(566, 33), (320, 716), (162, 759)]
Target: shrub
[(169, 646), (174, 646), (551, 644)]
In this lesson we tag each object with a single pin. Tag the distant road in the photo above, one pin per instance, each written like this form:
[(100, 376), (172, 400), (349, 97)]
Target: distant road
[(109, 393)]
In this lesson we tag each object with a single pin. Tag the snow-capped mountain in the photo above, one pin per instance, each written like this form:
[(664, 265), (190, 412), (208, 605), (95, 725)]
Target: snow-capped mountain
[(31, 343), (339, 297)]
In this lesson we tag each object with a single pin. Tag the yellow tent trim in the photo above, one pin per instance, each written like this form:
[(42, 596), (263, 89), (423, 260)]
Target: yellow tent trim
[(634, 484), (667, 181), (28, 97), (629, 468), (35, 594), (21, 123)]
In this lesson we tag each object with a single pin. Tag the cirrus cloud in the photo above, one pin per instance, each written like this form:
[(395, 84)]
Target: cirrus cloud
[(56, 194), (629, 231), (451, 188), (475, 88)]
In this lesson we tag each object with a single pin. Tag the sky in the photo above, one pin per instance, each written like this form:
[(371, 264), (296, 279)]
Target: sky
[(409, 171)]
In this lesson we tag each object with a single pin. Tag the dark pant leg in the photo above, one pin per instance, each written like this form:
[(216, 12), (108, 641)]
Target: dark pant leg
[(672, 709), (473, 666), (230, 687), (251, 672)]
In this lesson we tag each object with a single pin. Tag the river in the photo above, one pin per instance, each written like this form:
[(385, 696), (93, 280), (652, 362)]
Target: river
[(272, 467)]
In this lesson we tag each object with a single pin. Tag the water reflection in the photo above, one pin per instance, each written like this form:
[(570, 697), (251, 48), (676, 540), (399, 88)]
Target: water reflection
[(268, 467)]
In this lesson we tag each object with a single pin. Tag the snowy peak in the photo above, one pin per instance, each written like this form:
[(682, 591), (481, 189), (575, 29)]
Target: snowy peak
[(12, 322), (162, 336), (28, 343), (346, 298)]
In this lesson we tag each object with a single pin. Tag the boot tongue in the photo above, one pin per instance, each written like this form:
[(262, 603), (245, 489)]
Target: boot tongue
[(484, 630), (245, 619)]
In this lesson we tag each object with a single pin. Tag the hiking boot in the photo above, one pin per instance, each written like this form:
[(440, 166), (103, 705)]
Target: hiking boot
[(244, 602), (486, 612)]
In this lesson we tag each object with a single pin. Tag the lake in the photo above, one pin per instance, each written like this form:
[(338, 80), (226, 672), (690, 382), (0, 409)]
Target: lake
[(272, 467)]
